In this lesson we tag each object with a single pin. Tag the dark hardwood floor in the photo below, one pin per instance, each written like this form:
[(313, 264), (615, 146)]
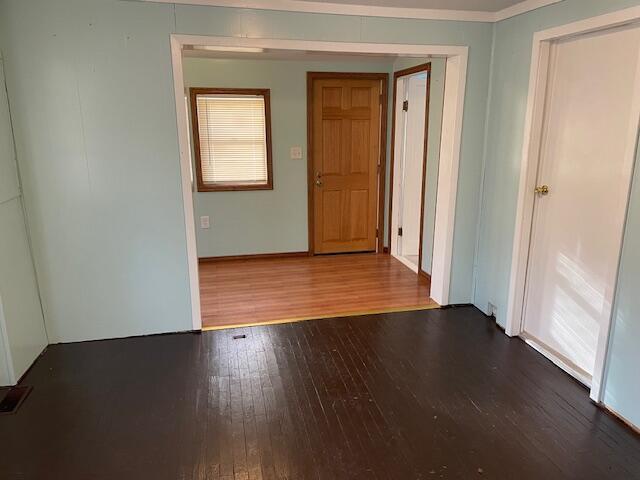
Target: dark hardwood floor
[(415, 395)]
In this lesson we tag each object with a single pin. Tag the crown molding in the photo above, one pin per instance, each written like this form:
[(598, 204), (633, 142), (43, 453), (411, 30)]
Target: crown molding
[(522, 7), (371, 11)]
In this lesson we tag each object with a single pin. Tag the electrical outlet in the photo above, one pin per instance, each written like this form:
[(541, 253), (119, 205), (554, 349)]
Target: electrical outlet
[(204, 222), (295, 153)]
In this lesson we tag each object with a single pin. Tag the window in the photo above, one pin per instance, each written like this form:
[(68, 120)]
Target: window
[(232, 138)]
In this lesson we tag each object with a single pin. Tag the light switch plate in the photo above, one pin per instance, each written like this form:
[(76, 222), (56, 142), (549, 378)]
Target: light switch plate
[(296, 153), (204, 222)]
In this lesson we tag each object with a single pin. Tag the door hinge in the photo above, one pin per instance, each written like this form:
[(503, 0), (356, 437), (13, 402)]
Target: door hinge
[(400, 231), (405, 105)]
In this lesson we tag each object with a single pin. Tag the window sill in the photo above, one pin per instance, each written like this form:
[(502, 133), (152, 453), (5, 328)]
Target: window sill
[(234, 188)]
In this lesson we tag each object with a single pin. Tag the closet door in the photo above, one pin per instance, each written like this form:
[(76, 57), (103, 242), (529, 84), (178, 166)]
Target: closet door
[(583, 185)]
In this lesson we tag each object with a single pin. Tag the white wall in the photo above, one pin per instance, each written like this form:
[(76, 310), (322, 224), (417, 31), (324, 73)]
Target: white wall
[(22, 333), (6, 370), (18, 290), (415, 87)]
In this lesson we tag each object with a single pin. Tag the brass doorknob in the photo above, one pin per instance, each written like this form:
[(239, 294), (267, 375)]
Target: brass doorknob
[(542, 190), (318, 182)]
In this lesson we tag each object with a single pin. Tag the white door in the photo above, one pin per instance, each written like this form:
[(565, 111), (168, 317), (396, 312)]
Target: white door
[(408, 165), (578, 225)]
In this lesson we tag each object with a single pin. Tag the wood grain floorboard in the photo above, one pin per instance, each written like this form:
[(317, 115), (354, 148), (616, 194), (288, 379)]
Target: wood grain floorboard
[(261, 290), (411, 395)]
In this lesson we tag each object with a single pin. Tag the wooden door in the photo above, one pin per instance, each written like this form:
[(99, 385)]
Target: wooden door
[(346, 116), (583, 184)]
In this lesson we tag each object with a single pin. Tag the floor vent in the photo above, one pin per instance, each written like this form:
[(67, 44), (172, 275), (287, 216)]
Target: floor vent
[(12, 399), (238, 337)]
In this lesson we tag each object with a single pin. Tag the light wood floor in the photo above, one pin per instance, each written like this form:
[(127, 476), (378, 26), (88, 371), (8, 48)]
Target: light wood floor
[(261, 290)]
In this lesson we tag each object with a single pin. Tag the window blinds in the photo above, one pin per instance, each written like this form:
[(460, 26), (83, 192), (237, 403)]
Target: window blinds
[(233, 144)]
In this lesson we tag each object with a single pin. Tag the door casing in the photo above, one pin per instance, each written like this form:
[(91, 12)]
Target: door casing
[(383, 78)]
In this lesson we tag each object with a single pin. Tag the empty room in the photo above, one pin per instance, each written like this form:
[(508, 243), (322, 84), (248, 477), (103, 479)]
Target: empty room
[(289, 150), (356, 239)]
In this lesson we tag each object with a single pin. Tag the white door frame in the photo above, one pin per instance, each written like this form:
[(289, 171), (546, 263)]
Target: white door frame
[(455, 87), (529, 170)]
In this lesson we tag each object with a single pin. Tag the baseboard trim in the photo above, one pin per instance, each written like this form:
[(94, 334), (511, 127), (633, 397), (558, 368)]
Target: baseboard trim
[(620, 418), (254, 256), (559, 360)]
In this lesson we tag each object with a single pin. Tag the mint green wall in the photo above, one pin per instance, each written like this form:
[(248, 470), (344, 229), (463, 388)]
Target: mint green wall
[(622, 386), (91, 89), (507, 104), (267, 221), (22, 334), (93, 110)]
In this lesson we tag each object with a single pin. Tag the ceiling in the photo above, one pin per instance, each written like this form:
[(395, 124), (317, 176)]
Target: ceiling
[(475, 5)]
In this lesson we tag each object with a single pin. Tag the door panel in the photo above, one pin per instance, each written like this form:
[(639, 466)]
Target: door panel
[(332, 210), (578, 225), (345, 124), (360, 146), (332, 147), (358, 208)]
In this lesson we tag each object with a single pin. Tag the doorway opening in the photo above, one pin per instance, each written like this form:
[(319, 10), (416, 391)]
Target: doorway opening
[(243, 217), (414, 164)]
